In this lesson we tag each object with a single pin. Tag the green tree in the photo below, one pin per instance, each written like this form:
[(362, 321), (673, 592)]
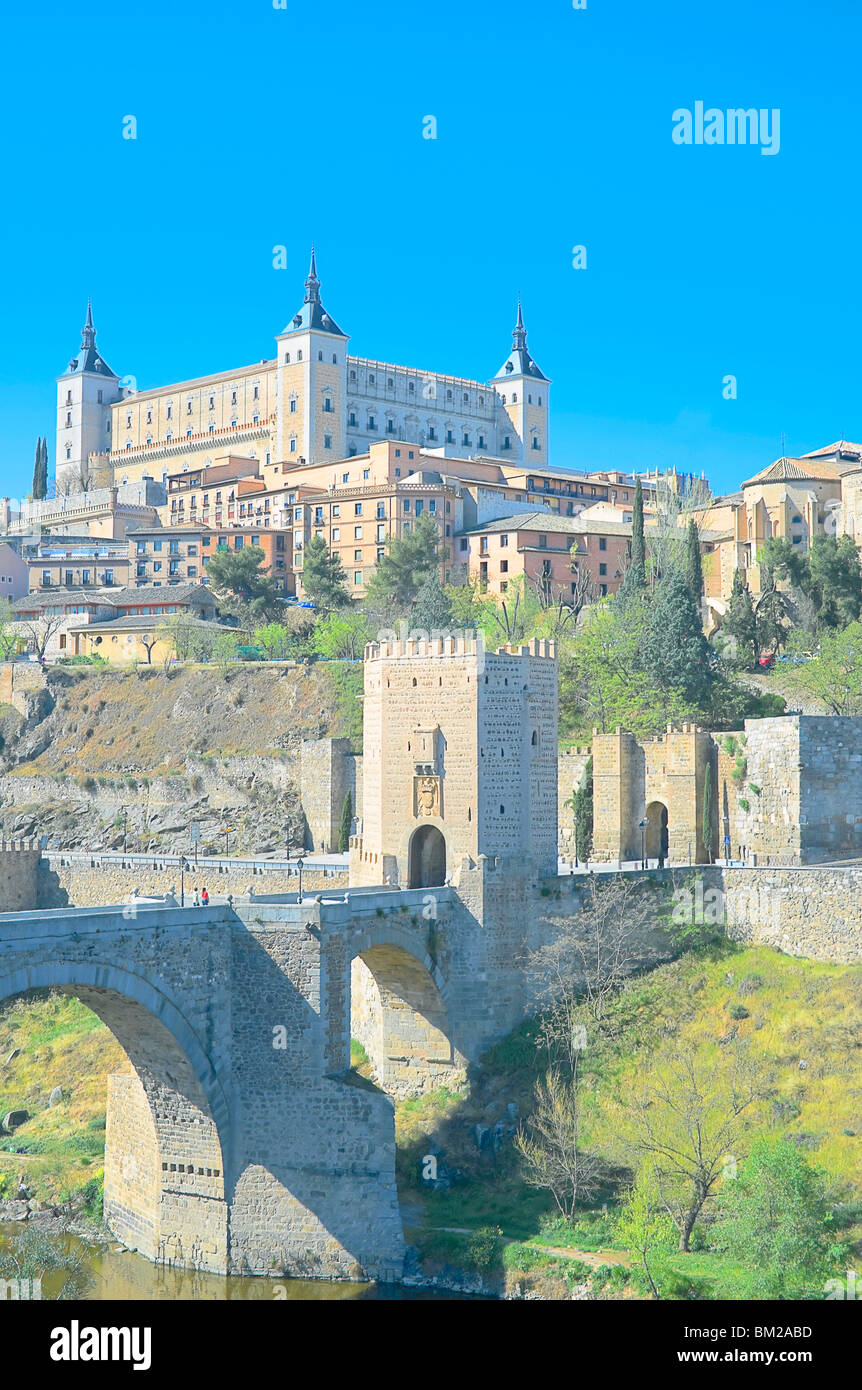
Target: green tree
[(240, 580), (775, 1223), (40, 469), (740, 621), (224, 648), (341, 635), (835, 581), (644, 1226), (346, 826), (693, 565), (674, 650), (686, 1115), (634, 579), (401, 573), (274, 638), (708, 812), (324, 581), (9, 639), (580, 803), (432, 611), (834, 676)]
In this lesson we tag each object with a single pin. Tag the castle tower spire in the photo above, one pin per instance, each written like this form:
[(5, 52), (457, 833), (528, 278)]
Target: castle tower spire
[(312, 284), (519, 336)]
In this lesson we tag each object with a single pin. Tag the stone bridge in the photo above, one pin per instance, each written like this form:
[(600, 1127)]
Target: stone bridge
[(239, 1140)]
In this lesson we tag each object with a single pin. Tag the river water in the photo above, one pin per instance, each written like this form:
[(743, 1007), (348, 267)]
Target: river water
[(116, 1273)]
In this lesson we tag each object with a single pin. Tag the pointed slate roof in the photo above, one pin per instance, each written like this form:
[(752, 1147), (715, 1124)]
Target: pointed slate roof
[(312, 314), (88, 359), (519, 362)]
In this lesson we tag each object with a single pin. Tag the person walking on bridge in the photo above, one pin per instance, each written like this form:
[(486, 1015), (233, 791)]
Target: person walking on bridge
[(205, 898)]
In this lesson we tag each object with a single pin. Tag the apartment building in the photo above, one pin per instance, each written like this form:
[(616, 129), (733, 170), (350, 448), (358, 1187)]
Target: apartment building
[(171, 555), (548, 551)]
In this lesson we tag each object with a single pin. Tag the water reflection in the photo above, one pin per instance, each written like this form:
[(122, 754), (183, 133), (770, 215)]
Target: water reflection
[(116, 1273)]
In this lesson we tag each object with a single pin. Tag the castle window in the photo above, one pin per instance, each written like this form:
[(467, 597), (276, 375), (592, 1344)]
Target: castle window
[(69, 450), (327, 441), (357, 556), (390, 383), (257, 393), (466, 396), (233, 423), (351, 419), (481, 441), (411, 386), (529, 400), (320, 355), (293, 405), (128, 419), (507, 443), (233, 397), (68, 418), (535, 739), (352, 374), (514, 398), (432, 433), (371, 378), (149, 417), (357, 509), (540, 402), (327, 404), (502, 810), (537, 445), (334, 360), (414, 680), (287, 357), (293, 445), (371, 423), (299, 355), (449, 437), (212, 403), (255, 418), (448, 395), (469, 814)]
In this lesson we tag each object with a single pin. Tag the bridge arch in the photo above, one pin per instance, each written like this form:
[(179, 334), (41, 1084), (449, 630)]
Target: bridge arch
[(398, 1013), (164, 1164)]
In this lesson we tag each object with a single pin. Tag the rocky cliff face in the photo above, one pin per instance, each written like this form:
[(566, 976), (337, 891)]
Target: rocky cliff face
[(102, 755)]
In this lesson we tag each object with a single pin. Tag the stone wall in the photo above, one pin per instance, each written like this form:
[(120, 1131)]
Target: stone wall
[(570, 770), (786, 790), (19, 875), (328, 772), (94, 881)]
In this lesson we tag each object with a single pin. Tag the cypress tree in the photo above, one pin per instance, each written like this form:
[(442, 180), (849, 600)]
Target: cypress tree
[(38, 491), (44, 469), (584, 813), (693, 566), (634, 580), (346, 825)]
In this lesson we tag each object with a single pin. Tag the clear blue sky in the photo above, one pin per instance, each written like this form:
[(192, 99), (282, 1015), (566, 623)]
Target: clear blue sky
[(259, 127)]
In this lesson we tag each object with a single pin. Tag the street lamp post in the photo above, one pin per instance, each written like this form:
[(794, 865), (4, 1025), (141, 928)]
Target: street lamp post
[(299, 865), (183, 867), (642, 827)]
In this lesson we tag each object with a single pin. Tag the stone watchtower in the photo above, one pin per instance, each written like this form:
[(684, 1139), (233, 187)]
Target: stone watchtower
[(460, 759)]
